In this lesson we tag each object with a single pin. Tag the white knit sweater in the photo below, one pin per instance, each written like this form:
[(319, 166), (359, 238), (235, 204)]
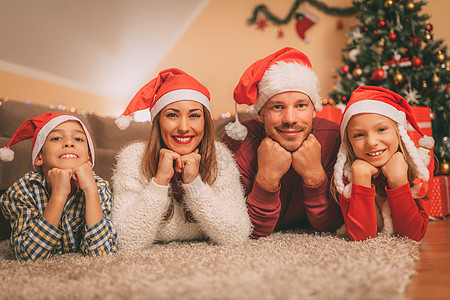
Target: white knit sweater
[(139, 205)]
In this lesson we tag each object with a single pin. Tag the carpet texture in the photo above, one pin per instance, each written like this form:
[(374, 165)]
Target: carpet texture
[(288, 265)]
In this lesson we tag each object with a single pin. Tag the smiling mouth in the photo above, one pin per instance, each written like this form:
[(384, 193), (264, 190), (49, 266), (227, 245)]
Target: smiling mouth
[(68, 156), (376, 153), (182, 139)]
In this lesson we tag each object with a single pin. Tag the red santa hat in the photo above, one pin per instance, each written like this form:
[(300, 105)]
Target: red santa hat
[(169, 86), (38, 128), (287, 70), (373, 99)]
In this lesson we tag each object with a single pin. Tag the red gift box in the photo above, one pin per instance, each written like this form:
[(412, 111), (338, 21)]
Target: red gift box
[(439, 196), (423, 118), (331, 113)]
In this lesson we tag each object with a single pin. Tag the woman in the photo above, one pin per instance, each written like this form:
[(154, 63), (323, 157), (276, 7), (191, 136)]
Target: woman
[(181, 184)]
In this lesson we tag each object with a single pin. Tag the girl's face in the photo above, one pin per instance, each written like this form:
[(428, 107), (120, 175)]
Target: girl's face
[(373, 138), (182, 126)]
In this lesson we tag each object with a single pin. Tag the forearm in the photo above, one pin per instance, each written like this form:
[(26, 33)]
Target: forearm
[(410, 218), (93, 211)]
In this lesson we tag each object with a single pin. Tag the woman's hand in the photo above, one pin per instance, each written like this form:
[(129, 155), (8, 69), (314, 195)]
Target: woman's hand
[(396, 171), (169, 162), (363, 172), (190, 166)]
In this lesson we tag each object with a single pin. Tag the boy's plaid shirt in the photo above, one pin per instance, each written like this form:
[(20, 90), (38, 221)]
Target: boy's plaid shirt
[(34, 238)]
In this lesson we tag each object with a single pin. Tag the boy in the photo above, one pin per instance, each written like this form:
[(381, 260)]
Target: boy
[(63, 206)]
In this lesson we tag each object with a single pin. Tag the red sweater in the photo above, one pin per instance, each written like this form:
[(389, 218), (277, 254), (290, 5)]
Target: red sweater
[(293, 204), (409, 217)]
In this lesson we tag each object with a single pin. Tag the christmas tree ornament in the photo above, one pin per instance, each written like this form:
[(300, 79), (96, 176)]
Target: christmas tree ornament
[(389, 3), (440, 57), (428, 36), (444, 168), (398, 77), (280, 33), (429, 27), (424, 84), (357, 72), (415, 40), (345, 69), (381, 23), (381, 43), (378, 75), (417, 62), (353, 54), (305, 19), (435, 79), (392, 36), (412, 96), (261, 24), (410, 6)]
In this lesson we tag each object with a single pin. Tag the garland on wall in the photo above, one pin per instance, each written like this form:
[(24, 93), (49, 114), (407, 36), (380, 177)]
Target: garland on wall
[(304, 18)]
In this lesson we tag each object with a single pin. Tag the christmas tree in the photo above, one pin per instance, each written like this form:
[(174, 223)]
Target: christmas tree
[(393, 47)]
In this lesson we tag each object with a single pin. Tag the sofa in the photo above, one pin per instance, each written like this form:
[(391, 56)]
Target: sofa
[(107, 138)]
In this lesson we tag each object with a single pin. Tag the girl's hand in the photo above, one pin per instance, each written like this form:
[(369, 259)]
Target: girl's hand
[(396, 171), (363, 172), (169, 162), (83, 177), (190, 166)]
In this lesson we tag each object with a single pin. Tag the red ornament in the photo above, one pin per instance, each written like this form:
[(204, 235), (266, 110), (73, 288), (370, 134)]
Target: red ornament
[(417, 62), (429, 27), (345, 69), (261, 24), (378, 75), (381, 23), (415, 40), (280, 33), (392, 36)]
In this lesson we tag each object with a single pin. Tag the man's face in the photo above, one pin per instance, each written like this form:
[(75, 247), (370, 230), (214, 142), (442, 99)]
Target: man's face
[(287, 118)]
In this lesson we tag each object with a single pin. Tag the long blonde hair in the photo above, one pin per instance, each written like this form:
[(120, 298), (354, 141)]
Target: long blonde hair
[(206, 149)]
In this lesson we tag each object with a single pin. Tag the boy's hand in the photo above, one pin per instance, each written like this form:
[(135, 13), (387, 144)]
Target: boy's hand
[(83, 177), (60, 182), (396, 171), (363, 172)]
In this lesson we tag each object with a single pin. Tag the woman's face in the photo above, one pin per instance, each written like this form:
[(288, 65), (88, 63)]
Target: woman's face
[(373, 138), (182, 126)]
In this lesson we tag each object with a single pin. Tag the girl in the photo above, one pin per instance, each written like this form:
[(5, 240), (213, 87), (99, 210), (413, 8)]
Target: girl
[(180, 184), (383, 169)]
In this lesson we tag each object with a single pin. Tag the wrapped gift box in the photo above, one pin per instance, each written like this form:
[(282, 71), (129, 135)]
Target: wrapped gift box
[(423, 119), (331, 113), (440, 196)]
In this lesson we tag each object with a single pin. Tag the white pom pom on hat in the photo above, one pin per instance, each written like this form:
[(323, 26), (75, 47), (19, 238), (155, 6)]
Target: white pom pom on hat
[(286, 70), (169, 86)]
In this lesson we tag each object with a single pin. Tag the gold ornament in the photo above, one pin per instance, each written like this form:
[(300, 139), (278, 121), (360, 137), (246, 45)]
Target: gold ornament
[(435, 79), (388, 3), (444, 168), (424, 84), (410, 6), (399, 77), (440, 57), (380, 43), (357, 72), (428, 36)]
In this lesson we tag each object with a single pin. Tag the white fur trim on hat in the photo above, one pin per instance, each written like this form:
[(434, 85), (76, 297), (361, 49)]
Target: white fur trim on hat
[(288, 77), (47, 128), (178, 95), (372, 107), (123, 122)]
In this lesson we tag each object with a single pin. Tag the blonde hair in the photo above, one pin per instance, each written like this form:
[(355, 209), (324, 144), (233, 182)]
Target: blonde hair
[(351, 157), (206, 149)]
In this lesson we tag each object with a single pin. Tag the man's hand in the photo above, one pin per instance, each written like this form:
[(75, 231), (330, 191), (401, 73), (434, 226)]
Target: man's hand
[(306, 161), (396, 171), (273, 162)]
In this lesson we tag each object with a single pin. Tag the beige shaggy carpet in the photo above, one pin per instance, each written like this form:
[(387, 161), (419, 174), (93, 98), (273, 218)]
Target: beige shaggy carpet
[(286, 265)]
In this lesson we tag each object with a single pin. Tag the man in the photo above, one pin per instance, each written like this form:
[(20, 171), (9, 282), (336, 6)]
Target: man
[(286, 156)]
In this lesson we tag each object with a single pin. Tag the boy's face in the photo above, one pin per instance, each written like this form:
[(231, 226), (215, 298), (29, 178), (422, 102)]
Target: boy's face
[(65, 147)]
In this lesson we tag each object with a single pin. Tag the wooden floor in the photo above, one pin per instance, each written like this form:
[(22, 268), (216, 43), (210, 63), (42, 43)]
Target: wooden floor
[(432, 280)]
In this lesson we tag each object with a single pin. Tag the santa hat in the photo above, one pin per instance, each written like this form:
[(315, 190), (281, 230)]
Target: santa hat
[(373, 99), (38, 128), (171, 85), (287, 70)]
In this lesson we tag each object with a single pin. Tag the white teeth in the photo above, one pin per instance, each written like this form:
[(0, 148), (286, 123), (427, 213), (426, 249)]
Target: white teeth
[(68, 156), (182, 139), (375, 153)]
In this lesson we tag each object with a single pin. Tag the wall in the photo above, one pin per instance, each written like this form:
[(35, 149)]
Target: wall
[(218, 47)]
